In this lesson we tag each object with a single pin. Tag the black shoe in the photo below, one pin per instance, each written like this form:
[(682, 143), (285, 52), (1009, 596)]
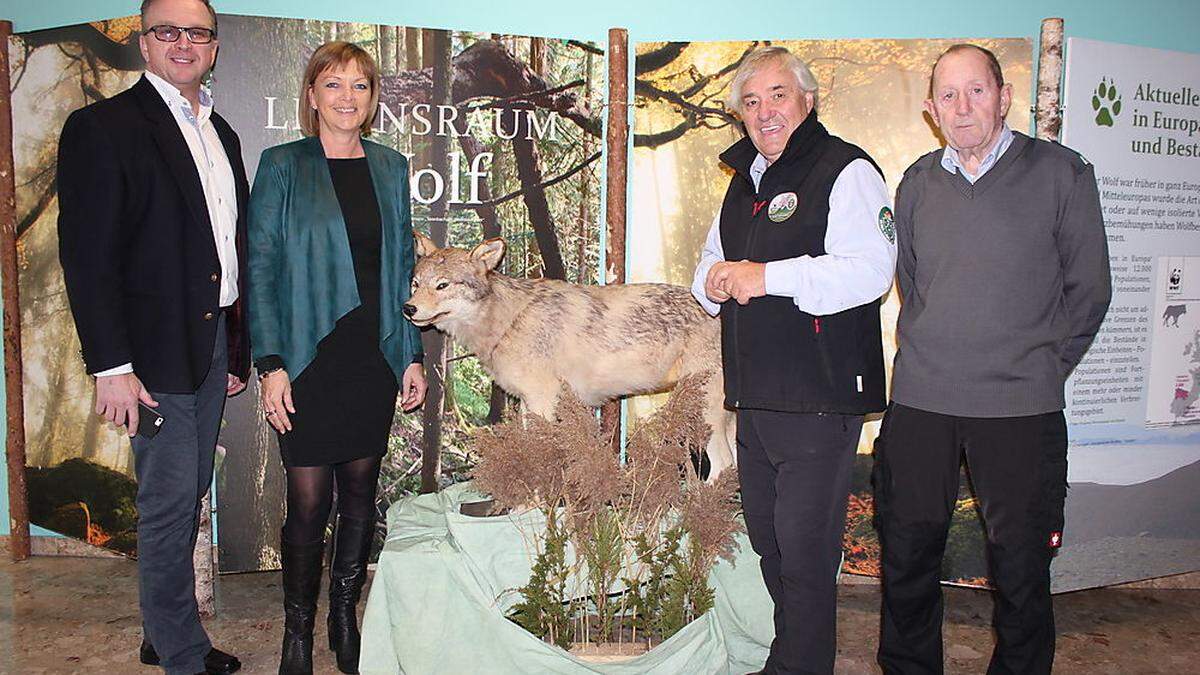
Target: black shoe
[(347, 574), (216, 662), (301, 583)]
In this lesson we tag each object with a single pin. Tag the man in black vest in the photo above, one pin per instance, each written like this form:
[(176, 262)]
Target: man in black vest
[(151, 227), (804, 247)]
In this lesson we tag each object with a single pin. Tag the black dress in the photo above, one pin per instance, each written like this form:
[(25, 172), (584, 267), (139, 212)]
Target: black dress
[(346, 398)]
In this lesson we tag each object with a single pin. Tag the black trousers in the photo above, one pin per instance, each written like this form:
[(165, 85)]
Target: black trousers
[(795, 475), (1018, 467)]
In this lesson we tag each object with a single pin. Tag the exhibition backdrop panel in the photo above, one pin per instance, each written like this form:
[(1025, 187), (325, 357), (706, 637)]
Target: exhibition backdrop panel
[(80, 471), (871, 94), (1133, 510), (488, 123), (503, 137), (503, 134)]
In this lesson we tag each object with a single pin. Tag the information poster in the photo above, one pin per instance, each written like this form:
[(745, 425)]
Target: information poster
[(1133, 404), (1175, 348)]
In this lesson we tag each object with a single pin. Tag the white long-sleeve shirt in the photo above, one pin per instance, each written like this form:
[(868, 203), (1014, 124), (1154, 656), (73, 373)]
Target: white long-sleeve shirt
[(860, 250)]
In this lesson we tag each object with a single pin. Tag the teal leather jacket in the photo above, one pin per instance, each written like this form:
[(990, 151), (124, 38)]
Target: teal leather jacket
[(301, 273)]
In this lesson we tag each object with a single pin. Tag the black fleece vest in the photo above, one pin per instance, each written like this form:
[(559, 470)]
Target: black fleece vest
[(775, 356)]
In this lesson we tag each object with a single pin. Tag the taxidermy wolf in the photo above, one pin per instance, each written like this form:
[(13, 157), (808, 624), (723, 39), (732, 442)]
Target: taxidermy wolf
[(535, 335)]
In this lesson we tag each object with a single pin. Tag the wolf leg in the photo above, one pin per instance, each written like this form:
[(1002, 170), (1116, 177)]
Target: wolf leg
[(719, 456), (722, 423), (541, 400), (731, 434)]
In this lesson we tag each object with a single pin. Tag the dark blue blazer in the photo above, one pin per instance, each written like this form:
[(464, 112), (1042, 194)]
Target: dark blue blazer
[(136, 246)]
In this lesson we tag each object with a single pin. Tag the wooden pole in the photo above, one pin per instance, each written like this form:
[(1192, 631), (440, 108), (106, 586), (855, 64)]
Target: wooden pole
[(618, 142), (618, 155), (18, 506), (1048, 114)]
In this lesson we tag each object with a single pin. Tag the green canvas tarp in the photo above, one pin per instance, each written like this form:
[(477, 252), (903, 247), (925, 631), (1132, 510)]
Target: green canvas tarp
[(445, 582)]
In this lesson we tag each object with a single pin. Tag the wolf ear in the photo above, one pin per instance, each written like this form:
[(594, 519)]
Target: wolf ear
[(489, 253), (425, 245)]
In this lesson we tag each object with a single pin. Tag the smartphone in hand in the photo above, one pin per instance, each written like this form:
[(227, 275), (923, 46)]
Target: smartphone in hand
[(149, 421)]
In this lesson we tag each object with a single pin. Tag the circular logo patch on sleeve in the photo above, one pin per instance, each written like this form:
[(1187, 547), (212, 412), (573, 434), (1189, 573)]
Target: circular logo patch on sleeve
[(887, 224), (782, 207)]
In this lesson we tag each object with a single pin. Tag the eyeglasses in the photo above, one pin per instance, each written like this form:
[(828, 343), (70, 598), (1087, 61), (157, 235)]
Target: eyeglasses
[(195, 35)]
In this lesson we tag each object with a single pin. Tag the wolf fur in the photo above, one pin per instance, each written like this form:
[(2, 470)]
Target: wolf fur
[(534, 335)]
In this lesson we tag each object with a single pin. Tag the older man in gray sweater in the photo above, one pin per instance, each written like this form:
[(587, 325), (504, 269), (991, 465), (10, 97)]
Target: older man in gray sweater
[(1003, 271)]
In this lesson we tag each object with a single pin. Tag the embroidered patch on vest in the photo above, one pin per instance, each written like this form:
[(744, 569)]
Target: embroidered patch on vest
[(887, 224), (782, 207)]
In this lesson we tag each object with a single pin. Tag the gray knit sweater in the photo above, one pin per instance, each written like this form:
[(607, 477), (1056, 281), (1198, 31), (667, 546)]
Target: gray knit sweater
[(1004, 283)]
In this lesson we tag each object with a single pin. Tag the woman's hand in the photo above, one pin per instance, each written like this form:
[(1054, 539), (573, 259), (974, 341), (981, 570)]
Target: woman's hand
[(412, 388), (276, 389)]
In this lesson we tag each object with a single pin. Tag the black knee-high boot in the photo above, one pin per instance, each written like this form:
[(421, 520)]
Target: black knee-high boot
[(301, 583), (347, 574)]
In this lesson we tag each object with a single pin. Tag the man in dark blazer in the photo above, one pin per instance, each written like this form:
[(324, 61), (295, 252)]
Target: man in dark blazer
[(152, 198)]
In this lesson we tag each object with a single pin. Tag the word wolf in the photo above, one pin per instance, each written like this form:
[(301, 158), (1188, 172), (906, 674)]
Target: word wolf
[(534, 335)]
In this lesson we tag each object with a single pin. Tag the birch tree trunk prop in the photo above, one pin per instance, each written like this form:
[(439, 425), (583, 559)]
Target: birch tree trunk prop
[(1048, 113), (618, 146), (18, 505), (251, 485), (202, 560)]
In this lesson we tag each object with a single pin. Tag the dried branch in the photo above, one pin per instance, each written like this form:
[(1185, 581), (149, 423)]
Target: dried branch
[(117, 55), (39, 207), (655, 59), (694, 115), (20, 74), (654, 140), (701, 83), (528, 96), (626, 523), (587, 47), (652, 92)]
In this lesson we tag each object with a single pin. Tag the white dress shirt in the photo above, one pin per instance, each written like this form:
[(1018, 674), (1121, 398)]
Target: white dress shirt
[(216, 179), (859, 261)]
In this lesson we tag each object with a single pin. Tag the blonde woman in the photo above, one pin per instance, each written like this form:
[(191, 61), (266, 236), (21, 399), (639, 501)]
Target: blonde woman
[(330, 261)]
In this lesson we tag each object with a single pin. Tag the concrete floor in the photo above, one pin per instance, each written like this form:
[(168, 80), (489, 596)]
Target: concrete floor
[(71, 615)]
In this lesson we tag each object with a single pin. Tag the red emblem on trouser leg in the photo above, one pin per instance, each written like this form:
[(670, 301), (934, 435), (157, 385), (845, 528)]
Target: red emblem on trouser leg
[(1055, 539)]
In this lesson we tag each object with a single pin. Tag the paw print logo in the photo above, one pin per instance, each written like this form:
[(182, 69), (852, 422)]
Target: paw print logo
[(1106, 102)]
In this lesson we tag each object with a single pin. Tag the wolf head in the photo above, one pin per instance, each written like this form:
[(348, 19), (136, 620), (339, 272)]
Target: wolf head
[(448, 283)]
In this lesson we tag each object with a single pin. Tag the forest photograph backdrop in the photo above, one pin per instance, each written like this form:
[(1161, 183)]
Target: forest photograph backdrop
[(503, 136)]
